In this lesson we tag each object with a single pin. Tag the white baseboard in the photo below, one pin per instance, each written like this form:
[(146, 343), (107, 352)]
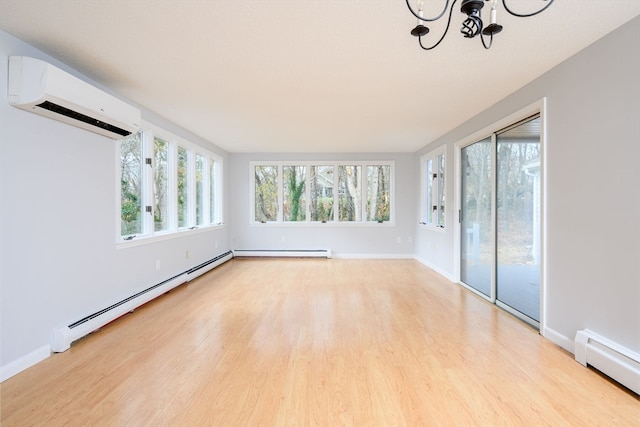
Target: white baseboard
[(434, 268), (558, 339), (24, 362)]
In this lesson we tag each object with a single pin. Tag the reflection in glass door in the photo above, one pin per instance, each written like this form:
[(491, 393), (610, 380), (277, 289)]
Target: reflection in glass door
[(518, 218), (476, 249), (500, 218)]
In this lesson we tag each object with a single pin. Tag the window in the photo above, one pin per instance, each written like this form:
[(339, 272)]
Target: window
[(166, 185), (433, 165), (321, 191), (379, 194), (160, 184), (131, 196), (295, 207), (307, 192), (266, 186)]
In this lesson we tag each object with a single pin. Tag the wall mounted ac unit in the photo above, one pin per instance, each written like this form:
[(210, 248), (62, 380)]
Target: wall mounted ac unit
[(41, 88)]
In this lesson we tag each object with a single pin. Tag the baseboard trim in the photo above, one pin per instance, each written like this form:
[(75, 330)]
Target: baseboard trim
[(434, 268), (25, 362), (559, 339)]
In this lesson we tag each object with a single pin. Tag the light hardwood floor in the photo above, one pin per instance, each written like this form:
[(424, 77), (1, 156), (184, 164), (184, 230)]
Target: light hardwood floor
[(305, 342)]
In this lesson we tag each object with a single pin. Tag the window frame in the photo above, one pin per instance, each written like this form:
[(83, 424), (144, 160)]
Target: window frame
[(308, 165), (427, 188), (148, 235)]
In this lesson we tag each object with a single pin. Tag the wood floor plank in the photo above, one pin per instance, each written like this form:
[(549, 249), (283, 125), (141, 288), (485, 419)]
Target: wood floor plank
[(292, 342)]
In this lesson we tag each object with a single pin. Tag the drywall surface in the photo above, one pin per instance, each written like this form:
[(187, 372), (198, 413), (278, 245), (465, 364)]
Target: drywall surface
[(372, 240), (591, 202), (60, 261)]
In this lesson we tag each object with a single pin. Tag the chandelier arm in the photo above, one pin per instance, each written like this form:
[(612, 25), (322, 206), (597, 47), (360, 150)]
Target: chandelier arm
[(526, 15), (485, 43), (428, 19), (445, 31)]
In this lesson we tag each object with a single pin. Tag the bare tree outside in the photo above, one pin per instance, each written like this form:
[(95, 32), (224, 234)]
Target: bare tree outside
[(131, 185)]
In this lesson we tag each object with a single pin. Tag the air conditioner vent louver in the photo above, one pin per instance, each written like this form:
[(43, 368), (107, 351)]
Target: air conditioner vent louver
[(81, 117)]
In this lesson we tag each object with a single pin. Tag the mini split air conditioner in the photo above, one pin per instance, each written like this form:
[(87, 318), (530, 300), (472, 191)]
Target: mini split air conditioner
[(41, 88)]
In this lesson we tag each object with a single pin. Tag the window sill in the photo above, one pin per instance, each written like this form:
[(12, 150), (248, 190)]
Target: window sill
[(339, 224), (430, 227), (145, 240)]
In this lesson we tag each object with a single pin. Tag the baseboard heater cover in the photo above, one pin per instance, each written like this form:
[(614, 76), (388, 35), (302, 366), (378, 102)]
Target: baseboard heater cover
[(608, 357), (293, 253), (206, 266), (64, 336)]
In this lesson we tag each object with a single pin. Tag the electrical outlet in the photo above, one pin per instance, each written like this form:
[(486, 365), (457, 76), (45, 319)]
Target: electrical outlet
[(283, 238), (186, 255), (157, 265), (398, 239)]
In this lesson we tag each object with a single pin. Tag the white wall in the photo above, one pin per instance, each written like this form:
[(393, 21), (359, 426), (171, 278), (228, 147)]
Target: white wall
[(357, 240), (592, 196), (58, 226)]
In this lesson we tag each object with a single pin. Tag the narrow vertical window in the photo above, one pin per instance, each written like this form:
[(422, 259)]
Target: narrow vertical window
[(200, 195), (378, 193), (183, 187), (350, 193), (321, 186), (266, 193), (131, 199), (294, 180), (433, 165), (440, 191), (160, 184)]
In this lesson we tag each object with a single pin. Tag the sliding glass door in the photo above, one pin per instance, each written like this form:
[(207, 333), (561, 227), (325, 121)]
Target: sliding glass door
[(500, 218), (518, 218), (476, 243)]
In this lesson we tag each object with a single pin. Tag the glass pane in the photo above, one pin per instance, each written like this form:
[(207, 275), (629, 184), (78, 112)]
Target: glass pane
[(350, 193), (131, 185), (321, 204), (212, 192), (266, 197), (518, 218), (183, 187), (295, 208), (160, 185), (379, 196), (200, 211), (475, 238)]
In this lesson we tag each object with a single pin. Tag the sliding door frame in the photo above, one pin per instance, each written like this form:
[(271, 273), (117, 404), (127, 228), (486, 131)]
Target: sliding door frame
[(536, 108)]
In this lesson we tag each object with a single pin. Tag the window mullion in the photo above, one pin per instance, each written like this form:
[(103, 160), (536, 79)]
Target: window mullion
[(147, 177)]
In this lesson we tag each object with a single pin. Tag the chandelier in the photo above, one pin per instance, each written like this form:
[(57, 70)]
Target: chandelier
[(472, 26)]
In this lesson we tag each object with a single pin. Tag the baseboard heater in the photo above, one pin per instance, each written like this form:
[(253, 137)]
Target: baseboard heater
[(608, 357), (293, 253), (64, 336)]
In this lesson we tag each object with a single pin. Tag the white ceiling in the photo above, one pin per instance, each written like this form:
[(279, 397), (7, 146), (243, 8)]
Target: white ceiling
[(301, 75)]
